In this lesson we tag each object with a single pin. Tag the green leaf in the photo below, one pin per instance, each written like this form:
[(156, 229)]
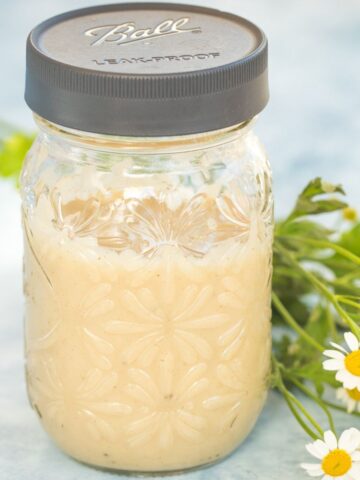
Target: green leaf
[(307, 204), (317, 325), (347, 273), (315, 373), (304, 227), (13, 150), (351, 240), (319, 186)]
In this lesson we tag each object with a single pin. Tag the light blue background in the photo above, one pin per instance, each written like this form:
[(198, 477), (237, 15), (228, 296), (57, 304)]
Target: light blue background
[(311, 127), (312, 123)]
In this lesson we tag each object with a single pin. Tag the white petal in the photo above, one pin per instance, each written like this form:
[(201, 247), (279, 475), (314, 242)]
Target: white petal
[(356, 434), (311, 466), (349, 380), (315, 473), (356, 456), (313, 469), (341, 394), (349, 440), (334, 354), (330, 440), (338, 347), (333, 365), (352, 341), (354, 472), (318, 449), (341, 373), (314, 451), (351, 405)]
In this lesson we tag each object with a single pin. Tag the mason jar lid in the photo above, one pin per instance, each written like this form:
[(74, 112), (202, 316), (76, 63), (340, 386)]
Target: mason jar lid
[(146, 69)]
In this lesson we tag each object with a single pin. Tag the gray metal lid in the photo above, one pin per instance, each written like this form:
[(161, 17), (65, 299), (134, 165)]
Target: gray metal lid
[(146, 69)]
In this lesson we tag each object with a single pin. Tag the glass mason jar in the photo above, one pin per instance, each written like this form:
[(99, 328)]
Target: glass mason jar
[(148, 252)]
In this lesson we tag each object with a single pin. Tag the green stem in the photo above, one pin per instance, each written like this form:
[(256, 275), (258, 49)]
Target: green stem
[(322, 288), (347, 301), (340, 408), (347, 288), (292, 401), (298, 418), (289, 319), (325, 245), (316, 399), (330, 320), (348, 277), (305, 412), (332, 298)]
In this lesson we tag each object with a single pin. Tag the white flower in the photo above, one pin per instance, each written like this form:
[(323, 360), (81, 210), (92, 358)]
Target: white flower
[(340, 460), (351, 398), (345, 363)]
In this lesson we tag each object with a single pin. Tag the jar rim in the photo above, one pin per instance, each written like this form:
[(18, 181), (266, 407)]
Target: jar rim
[(144, 145)]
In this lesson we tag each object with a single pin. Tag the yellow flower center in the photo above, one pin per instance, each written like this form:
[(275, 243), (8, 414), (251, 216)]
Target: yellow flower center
[(350, 214), (352, 363), (336, 463), (354, 394)]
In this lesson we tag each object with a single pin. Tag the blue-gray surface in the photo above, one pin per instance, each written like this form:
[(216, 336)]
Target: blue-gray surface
[(311, 127)]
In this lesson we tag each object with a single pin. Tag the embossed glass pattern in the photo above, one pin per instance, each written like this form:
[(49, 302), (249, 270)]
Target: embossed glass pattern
[(147, 280)]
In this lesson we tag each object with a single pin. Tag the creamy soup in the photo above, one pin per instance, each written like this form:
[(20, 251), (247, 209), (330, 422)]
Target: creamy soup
[(144, 356)]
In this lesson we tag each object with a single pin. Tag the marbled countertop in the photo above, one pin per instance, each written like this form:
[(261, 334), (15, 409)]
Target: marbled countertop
[(311, 127)]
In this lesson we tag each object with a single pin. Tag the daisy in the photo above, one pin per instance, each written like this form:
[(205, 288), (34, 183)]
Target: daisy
[(345, 362), (340, 460), (351, 398)]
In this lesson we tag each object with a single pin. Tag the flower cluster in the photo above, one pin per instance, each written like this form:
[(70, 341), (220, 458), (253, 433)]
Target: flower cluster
[(340, 458), (346, 363)]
